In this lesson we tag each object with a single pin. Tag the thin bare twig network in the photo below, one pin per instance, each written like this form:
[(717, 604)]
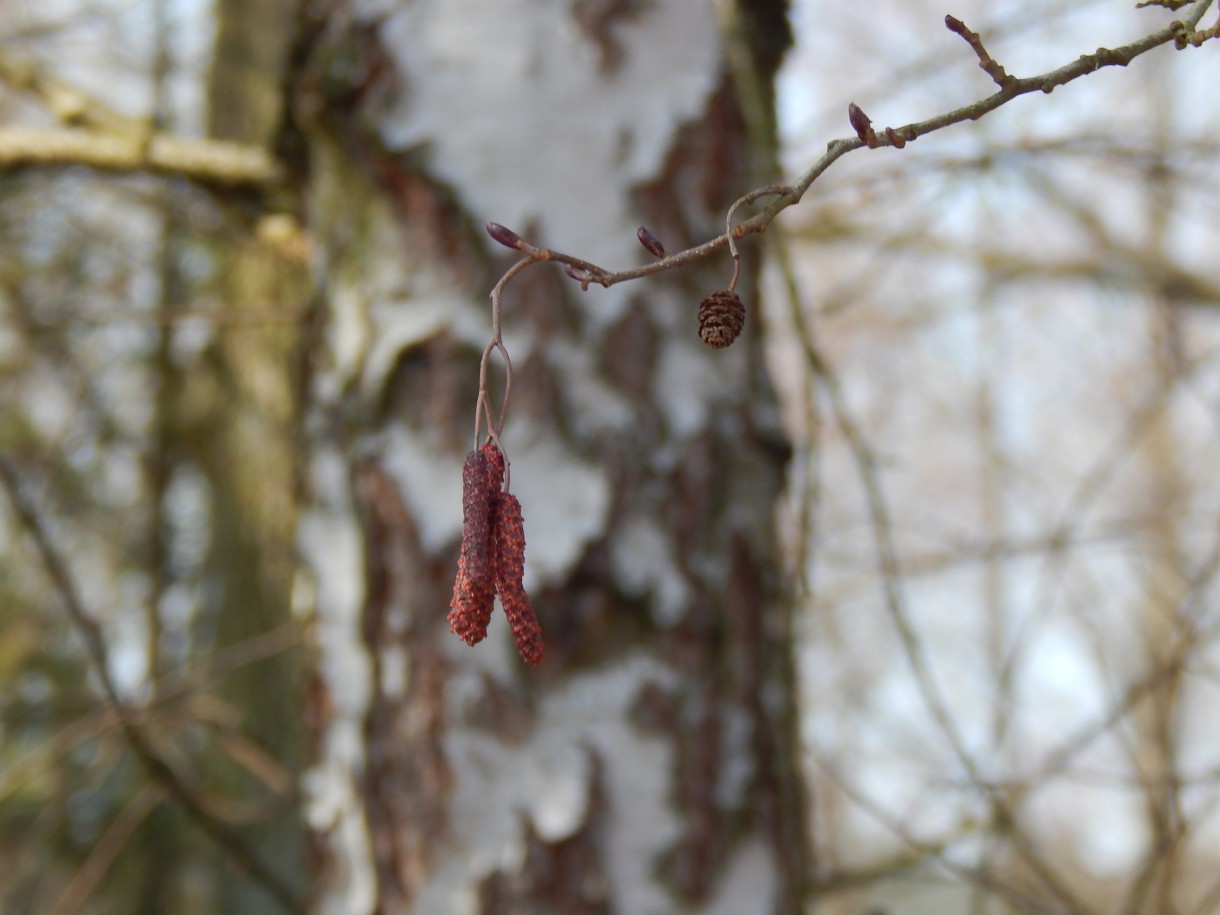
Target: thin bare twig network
[(158, 768), (1181, 33)]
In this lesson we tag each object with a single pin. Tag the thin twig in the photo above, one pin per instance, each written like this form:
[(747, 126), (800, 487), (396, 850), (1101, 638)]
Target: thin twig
[(586, 273), (1179, 33), (937, 851), (987, 63), (887, 558), (108, 848), (98, 722)]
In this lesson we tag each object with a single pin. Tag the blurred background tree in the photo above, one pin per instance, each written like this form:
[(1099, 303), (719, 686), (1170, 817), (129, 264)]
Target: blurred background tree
[(931, 630)]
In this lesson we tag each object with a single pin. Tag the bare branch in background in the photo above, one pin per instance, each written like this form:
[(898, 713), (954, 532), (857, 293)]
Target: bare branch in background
[(96, 136), (207, 161), (158, 768)]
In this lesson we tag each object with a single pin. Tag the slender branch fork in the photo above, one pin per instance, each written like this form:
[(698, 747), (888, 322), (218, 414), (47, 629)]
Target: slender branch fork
[(1180, 32)]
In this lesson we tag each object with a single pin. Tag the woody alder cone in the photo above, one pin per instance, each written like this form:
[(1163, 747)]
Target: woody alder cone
[(721, 317)]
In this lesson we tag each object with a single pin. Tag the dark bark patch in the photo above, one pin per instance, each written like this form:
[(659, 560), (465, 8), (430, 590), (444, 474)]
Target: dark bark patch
[(696, 861), (629, 355), (431, 387), (700, 178), (765, 25), (563, 877), (596, 18), (654, 709), (407, 778), (431, 213)]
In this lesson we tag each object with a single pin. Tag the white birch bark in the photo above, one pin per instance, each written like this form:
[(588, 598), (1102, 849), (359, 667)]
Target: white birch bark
[(647, 765)]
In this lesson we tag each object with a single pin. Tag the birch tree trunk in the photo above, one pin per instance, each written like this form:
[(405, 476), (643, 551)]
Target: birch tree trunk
[(650, 764)]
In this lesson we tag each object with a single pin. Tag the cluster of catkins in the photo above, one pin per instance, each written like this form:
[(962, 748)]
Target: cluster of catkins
[(492, 561)]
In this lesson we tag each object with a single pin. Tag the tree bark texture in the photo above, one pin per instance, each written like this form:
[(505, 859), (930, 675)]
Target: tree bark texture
[(650, 764)]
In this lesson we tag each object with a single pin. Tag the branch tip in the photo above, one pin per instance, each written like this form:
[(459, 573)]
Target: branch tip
[(862, 124), (987, 63), (504, 235), (651, 243)]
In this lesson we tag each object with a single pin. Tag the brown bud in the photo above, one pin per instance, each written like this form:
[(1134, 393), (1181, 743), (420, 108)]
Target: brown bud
[(504, 235), (896, 139), (509, 540), (721, 318), (861, 123), (651, 243), (955, 25)]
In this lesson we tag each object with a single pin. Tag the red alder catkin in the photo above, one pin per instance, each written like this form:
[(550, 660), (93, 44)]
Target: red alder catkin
[(474, 588), (508, 535)]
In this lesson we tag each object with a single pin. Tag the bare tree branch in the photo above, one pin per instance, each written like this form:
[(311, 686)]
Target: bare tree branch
[(209, 161), (69, 104), (97, 136), (1179, 33)]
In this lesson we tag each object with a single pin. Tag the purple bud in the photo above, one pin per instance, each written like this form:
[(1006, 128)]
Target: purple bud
[(861, 123), (650, 242), (505, 236)]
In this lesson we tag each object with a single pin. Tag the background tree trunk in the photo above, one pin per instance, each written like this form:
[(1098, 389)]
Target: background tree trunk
[(650, 764), (244, 409)]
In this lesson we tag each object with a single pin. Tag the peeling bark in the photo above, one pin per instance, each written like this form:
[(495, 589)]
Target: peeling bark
[(407, 780)]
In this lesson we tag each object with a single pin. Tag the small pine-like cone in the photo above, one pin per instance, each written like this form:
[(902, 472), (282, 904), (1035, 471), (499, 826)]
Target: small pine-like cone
[(509, 552), (721, 318), (474, 589)]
